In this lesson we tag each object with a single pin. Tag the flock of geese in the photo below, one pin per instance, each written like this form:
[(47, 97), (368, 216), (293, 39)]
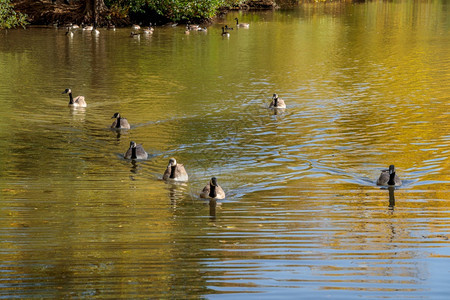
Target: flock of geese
[(137, 30), (177, 172), (174, 170)]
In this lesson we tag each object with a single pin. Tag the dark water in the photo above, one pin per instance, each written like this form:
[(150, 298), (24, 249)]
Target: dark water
[(366, 86)]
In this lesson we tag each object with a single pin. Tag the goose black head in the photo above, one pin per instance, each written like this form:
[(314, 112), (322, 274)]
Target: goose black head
[(172, 162), (391, 169)]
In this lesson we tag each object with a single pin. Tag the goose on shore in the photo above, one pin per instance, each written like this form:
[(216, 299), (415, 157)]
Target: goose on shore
[(175, 171), (212, 190), (77, 101)]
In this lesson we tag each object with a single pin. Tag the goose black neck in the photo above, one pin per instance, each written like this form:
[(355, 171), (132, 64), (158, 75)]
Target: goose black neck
[(118, 122), (212, 191), (172, 172), (275, 102), (133, 153), (391, 179), (71, 98)]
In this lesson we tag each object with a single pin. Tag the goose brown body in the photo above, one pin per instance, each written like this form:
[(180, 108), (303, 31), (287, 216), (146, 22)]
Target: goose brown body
[(135, 152), (277, 102), (241, 25), (388, 177), (77, 101), (212, 190), (120, 122), (175, 171)]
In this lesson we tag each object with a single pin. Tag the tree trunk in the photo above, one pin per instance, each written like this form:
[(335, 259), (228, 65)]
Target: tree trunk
[(93, 10)]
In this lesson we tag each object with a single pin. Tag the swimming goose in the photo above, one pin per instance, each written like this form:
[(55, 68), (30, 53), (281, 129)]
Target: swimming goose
[(69, 33), (149, 29), (277, 102), (187, 30), (212, 190), (242, 25), (95, 31), (193, 26), (388, 177), (175, 171), (88, 28), (135, 152), (119, 122), (136, 27), (77, 102), (135, 35), (225, 33)]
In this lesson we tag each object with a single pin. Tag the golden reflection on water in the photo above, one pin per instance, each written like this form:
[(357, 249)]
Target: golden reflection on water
[(365, 86)]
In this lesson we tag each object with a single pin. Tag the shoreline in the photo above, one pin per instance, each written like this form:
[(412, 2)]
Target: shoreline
[(40, 13)]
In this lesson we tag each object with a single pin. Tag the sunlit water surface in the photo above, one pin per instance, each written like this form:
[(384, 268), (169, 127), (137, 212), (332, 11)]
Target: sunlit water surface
[(366, 86)]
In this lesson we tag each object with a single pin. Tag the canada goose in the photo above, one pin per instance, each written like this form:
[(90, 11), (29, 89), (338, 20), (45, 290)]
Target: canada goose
[(148, 30), (75, 26), (69, 33), (135, 35), (204, 29), (187, 30), (242, 25), (212, 190), (175, 171), (135, 152), (77, 102), (277, 102), (136, 27), (388, 177), (88, 28), (193, 26), (95, 31), (228, 28), (111, 27), (225, 33), (119, 122)]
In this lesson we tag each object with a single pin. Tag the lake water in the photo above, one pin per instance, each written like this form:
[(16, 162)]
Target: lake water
[(366, 86)]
